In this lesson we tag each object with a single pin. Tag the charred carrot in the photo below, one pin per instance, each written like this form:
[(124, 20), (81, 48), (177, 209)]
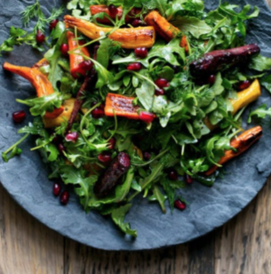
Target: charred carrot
[(95, 9), (76, 56), (129, 38), (164, 28), (240, 144), (119, 105), (39, 80)]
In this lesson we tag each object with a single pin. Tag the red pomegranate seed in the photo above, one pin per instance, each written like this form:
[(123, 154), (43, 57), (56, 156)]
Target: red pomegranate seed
[(64, 48), (104, 157), (243, 85), (86, 65), (146, 116), (113, 11), (134, 66), (146, 156), (56, 189), (137, 23), (64, 197), (211, 79), (72, 137), (18, 116), (141, 52), (159, 92), (40, 37), (162, 83), (173, 175), (112, 143), (97, 113), (188, 179), (179, 205), (53, 24)]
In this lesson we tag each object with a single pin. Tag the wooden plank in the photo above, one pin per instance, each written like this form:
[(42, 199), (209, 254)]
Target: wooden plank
[(86, 260), (244, 244), (26, 246)]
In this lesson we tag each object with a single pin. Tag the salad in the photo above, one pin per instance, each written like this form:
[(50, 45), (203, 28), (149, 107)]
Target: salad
[(138, 98)]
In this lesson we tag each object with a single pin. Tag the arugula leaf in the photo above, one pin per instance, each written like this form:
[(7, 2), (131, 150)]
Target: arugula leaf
[(118, 215), (160, 197), (260, 112), (39, 105), (266, 82), (145, 94), (260, 63)]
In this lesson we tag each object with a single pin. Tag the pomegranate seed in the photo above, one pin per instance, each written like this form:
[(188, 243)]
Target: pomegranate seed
[(56, 189), (146, 116), (18, 116), (136, 23), (146, 156), (97, 113), (162, 83), (64, 197), (64, 48), (72, 137), (211, 79), (113, 11), (112, 143), (188, 179), (124, 159), (61, 148), (141, 52), (53, 24), (86, 65), (134, 66), (159, 92), (179, 205), (104, 157), (173, 175), (40, 37), (243, 85)]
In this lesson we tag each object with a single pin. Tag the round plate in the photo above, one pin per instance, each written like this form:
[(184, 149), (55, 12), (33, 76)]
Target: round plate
[(25, 177)]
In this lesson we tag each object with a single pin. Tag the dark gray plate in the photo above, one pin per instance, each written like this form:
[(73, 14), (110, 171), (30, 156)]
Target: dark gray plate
[(25, 177)]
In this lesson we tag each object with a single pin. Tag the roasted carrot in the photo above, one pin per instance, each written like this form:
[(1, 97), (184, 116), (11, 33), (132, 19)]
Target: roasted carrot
[(95, 9), (129, 38), (240, 143), (119, 105), (76, 56), (247, 96), (39, 80), (164, 28)]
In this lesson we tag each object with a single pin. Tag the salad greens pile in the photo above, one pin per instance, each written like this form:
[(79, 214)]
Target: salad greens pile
[(178, 139)]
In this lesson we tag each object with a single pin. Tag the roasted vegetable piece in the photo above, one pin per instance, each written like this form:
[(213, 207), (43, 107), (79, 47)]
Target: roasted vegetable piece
[(76, 56), (219, 60), (129, 38), (119, 105), (95, 9), (246, 96), (68, 106), (240, 143), (109, 179), (164, 28), (39, 80)]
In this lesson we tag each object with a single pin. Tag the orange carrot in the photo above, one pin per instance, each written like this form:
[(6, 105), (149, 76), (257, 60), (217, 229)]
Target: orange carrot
[(39, 80), (240, 143), (123, 106), (164, 28), (76, 57)]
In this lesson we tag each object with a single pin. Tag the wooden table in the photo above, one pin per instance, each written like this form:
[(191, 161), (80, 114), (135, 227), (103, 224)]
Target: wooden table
[(242, 246)]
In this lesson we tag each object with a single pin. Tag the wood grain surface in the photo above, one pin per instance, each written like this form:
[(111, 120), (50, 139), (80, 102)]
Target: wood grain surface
[(242, 246)]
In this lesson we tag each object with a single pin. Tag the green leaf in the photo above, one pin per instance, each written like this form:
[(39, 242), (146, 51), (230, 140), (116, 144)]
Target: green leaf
[(260, 63), (191, 25), (118, 216), (160, 197), (260, 112), (145, 94), (167, 73)]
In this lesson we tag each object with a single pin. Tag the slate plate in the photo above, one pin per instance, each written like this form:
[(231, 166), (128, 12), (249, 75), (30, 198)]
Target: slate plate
[(25, 177)]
